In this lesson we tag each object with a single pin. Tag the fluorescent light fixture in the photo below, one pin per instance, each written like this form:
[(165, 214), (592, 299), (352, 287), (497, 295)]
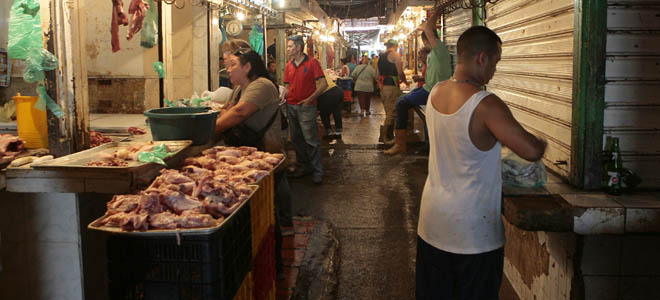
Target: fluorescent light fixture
[(282, 3), (240, 16)]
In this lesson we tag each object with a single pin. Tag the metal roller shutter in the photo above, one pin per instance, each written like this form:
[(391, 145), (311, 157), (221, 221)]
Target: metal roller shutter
[(535, 75), (632, 90), (454, 24)]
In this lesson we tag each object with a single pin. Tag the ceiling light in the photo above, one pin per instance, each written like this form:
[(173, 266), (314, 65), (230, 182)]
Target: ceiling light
[(316, 32), (240, 16), (281, 3)]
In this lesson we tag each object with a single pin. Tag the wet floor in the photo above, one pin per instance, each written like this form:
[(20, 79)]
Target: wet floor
[(372, 202)]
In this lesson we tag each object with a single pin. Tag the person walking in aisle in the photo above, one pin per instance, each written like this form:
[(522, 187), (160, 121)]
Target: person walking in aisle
[(460, 245), (390, 73), (305, 82), (330, 103), (439, 69), (364, 76)]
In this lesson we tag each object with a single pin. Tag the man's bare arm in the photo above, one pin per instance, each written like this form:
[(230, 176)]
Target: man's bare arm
[(429, 28), (501, 123)]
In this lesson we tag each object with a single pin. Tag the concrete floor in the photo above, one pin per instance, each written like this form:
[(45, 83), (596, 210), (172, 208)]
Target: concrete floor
[(371, 200)]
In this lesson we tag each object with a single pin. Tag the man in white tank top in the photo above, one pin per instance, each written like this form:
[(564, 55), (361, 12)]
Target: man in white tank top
[(461, 236)]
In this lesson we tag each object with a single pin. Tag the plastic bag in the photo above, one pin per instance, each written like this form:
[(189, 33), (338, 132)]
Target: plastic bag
[(149, 34), (220, 95), (24, 28), (257, 39), (45, 99), (522, 173), (160, 69), (8, 111), (156, 156), (37, 61)]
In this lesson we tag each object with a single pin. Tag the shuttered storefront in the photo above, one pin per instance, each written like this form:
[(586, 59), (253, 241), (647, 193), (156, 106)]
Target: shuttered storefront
[(535, 75), (632, 91), (454, 24)]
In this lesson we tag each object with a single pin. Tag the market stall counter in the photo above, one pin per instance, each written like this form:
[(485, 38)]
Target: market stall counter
[(562, 241), (67, 183)]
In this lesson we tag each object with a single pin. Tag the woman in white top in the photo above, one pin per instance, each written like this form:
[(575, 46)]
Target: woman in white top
[(365, 77)]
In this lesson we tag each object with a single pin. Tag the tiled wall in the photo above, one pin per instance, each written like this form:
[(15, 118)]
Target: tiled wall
[(539, 265), (621, 267), (40, 247)]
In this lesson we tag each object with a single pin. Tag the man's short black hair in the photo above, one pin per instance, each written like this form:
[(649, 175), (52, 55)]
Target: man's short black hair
[(475, 40), (297, 41)]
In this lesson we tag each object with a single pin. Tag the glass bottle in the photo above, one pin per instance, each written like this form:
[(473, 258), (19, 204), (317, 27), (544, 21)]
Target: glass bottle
[(614, 184)]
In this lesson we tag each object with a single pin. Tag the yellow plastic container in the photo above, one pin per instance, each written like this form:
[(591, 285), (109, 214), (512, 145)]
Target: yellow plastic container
[(32, 123)]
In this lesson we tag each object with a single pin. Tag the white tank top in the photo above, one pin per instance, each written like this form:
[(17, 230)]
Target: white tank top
[(461, 203)]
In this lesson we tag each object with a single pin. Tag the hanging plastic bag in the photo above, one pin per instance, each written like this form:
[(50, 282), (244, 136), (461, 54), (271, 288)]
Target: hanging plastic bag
[(519, 172), (156, 156), (257, 39), (46, 101), (24, 28), (160, 69), (149, 34), (37, 61)]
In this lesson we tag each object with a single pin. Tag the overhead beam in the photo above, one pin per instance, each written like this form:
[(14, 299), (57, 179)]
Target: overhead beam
[(405, 4)]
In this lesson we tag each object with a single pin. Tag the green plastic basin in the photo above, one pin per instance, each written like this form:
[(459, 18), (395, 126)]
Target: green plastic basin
[(182, 123)]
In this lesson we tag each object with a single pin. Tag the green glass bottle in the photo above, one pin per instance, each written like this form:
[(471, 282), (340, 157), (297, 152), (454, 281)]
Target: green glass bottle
[(614, 184)]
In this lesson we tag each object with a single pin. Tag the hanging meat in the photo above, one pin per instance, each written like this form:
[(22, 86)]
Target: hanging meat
[(118, 18), (138, 10)]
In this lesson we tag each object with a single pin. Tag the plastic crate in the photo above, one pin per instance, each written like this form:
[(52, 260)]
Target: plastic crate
[(263, 271), (263, 211), (245, 292), (198, 266)]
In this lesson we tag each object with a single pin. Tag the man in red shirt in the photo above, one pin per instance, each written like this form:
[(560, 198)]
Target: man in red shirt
[(305, 81)]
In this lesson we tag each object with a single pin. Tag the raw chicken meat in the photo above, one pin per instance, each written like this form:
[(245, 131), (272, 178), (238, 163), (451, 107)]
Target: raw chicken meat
[(127, 221), (123, 204), (164, 220), (10, 145), (96, 139), (195, 173), (178, 202), (208, 188), (191, 219)]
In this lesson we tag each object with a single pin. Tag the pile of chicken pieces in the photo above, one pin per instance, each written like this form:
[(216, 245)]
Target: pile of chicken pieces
[(206, 190)]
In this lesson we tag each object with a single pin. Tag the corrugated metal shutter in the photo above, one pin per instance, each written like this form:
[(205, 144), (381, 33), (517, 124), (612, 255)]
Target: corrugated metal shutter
[(535, 75), (632, 91), (454, 24)]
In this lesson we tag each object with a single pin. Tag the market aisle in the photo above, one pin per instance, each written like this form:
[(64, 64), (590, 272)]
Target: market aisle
[(372, 202)]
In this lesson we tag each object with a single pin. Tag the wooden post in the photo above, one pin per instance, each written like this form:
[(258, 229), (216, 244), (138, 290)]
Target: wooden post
[(67, 85), (265, 53), (214, 49), (168, 62), (280, 48), (590, 33)]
